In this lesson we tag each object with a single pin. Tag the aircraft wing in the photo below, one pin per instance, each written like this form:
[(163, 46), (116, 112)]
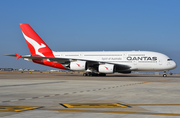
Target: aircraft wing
[(68, 60)]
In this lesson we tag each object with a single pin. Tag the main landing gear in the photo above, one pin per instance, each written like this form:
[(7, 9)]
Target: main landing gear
[(94, 74)]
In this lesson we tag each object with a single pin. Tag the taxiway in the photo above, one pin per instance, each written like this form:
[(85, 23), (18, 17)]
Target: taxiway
[(45, 95)]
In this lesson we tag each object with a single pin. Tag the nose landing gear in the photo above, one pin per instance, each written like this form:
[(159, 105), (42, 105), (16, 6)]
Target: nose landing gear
[(164, 75)]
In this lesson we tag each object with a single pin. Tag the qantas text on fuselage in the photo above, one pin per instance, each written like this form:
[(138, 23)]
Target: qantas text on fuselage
[(142, 58)]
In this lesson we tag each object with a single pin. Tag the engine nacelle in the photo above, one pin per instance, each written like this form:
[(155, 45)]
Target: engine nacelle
[(78, 65), (106, 68)]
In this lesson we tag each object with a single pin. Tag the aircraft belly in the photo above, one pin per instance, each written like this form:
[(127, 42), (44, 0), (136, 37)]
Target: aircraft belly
[(146, 67)]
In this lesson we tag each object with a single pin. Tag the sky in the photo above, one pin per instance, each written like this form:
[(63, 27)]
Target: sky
[(90, 25)]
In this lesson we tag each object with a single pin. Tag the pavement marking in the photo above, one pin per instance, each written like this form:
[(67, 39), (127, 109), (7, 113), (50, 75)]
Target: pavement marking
[(16, 108), (32, 84), (6, 101), (47, 96), (89, 105), (92, 105), (14, 100), (10, 108), (28, 98), (120, 112), (152, 81), (19, 99)]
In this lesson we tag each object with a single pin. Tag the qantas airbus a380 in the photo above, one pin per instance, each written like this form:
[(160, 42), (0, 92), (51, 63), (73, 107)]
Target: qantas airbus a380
[(93, 63)]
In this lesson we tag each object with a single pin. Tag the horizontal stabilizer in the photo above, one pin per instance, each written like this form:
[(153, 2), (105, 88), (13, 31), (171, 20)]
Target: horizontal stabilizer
[(17, 56), (12, 55)]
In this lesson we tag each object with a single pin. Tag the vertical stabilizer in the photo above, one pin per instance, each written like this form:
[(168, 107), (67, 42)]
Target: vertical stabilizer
[(36, 45)]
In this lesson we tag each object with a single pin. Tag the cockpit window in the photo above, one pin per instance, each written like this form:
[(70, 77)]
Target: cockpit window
[(169, 59)]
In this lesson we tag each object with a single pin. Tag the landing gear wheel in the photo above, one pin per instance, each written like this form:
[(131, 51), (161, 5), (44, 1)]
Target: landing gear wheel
[(102, 74), (94, 74), (89, 74), (164, 75)]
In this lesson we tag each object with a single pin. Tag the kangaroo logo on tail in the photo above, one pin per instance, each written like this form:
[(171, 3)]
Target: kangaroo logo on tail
[(35, 45)]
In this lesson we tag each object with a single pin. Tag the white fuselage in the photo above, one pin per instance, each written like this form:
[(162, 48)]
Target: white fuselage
[(137, 60)]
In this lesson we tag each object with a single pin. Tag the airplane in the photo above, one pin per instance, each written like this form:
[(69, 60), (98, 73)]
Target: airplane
[(93, 63)]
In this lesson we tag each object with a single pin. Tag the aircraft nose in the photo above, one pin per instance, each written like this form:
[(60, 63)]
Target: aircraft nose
[(171, 65), (174, 65)]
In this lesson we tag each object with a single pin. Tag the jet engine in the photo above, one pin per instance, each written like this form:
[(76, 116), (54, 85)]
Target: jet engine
[(106, 68), (78, 65)]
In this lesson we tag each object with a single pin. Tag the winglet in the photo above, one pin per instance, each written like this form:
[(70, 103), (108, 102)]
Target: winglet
[(17, 56)]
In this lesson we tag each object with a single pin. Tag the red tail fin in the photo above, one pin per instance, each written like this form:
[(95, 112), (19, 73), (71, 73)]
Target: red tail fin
[(36, 45)]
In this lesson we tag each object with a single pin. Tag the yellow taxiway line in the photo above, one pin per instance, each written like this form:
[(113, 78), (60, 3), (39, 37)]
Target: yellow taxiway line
[(16, 108), (93, 105), (11, 108)]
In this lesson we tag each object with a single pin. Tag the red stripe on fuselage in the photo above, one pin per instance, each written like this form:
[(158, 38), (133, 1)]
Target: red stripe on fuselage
[(48, 63)]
